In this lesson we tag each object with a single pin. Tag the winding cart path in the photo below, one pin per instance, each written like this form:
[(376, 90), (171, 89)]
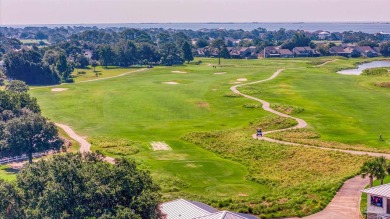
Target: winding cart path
[(346, 203), (85, 146)]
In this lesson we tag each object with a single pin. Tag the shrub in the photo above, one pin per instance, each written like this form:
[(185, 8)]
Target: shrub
[(232, 95), (375, 71)]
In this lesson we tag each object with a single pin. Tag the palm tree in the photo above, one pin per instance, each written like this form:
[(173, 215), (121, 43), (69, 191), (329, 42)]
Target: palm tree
[(368, 169), (382, 166), (375, 168)]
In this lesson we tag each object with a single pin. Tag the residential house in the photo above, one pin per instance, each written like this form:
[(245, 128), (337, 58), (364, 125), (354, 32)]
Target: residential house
[(378, 50), (323, 35), (270, 52), (286, 53), (87, 53), (366, 51), (245, 52), (185, 209), (234, 53), (378, 202), (305, 52), (341, 51)]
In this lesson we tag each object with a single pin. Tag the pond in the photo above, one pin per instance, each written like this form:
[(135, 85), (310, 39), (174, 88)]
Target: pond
[(361, 67)]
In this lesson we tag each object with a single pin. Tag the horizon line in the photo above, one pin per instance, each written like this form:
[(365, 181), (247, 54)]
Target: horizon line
[(206, 22)]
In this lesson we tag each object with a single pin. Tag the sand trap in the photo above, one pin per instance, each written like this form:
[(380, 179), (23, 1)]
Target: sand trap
[(242, 79), (58, 89), (179, 72), (160, 146), (219, 73), (170, 82)]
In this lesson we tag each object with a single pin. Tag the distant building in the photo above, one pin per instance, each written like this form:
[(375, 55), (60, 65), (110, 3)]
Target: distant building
[(344, 51), (286, 53), (305, 52), (270, 52), (323, 35), (366, 51), (184, 209)]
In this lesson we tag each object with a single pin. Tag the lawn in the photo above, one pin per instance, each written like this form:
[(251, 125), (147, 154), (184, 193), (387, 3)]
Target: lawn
[(340, 108), (88, 73), (233, 171)]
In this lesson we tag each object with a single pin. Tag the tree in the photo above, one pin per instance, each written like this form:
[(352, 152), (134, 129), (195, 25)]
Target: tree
[(30, 133), (106, 55), (10, 201), (126, 53), (17, 86), (218, 44), (187, 52), (94, 64), (83, 186), (63, 67), (225, 53), (375, 168), (385, 49)]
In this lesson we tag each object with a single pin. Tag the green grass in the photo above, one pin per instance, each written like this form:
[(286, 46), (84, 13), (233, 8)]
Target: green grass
[(7, 173), (136, 109), (341, 108), (84, 74)]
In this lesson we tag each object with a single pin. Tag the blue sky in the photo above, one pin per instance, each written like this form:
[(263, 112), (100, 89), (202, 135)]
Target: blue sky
[(138, 11)]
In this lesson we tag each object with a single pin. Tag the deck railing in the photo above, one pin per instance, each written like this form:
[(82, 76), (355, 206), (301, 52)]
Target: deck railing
[(7, 160)]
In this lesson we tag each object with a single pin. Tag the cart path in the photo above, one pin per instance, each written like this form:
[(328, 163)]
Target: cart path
[(92, 80), (346, 203), (85, 146)]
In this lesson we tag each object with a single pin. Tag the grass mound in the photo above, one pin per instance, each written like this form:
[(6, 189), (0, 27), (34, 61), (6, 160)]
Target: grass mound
[(114, 146), (375, 71), (385, 84), (287, 109)]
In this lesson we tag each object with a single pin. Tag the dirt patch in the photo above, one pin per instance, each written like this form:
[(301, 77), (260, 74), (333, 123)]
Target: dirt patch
[(160, 146), (202, 104), (179, 72), (58, 89), (170, 82), (219, 73), (236, 82), (242, 195), (242, 79), (192, 165)]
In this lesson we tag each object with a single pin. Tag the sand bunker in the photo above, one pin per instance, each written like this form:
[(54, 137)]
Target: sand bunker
[(179, 72), (58, 89), (160, 146), (242, 79), (170, 82), (219, 73)]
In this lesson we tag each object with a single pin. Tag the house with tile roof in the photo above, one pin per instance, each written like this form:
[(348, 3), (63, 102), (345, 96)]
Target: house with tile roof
[(378, 202), (305, 52), (366, 51), (185, 209)]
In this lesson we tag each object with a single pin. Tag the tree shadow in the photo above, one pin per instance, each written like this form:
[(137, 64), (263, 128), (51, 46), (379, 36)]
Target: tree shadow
[(11, 170)]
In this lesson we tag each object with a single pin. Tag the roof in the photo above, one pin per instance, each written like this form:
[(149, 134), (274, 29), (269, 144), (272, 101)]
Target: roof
[(222, 215), (285, 52), (183, 209), (383, 190)]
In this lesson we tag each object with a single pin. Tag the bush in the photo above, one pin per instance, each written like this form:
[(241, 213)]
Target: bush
[(375, 71), (232, 95)]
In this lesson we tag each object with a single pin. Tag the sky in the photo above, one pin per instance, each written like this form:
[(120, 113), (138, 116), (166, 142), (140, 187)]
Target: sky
[(15, 12)]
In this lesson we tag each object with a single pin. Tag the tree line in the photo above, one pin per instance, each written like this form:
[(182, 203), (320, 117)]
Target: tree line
[(23, 130), (80, 186)]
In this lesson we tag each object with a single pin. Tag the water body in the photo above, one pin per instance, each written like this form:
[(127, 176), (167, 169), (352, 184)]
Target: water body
[(373, 27), (359, 70)]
